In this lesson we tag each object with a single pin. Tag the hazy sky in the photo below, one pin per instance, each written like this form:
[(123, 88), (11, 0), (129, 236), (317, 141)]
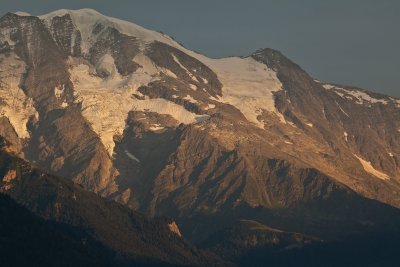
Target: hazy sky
[(354, 42)]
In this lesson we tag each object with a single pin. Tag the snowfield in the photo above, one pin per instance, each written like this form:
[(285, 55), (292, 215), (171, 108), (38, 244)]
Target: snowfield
[(107, 102), (359, 96), (370, 169)]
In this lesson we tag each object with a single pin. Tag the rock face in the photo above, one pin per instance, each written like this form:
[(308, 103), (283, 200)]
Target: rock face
[(132, 115)]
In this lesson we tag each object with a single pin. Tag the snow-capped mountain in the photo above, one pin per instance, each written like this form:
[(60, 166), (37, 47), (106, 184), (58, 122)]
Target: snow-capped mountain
[(132, 115)]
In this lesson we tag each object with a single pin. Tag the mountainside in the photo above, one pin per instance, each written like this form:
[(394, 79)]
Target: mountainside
[(108, 231), (134, 116)]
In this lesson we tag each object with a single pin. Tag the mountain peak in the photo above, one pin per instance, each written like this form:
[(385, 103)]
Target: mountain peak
[(85, 20), (74, 12), (274, 59)]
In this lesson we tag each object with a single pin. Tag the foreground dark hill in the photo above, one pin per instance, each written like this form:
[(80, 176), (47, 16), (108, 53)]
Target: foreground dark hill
[(135, 238), (250, 243), (27, 240)]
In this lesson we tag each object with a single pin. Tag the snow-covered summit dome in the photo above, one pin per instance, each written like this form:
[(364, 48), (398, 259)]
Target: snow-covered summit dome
[(86, 19)]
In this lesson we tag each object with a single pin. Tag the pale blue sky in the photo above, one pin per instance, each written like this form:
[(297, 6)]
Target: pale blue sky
[(352, 42)]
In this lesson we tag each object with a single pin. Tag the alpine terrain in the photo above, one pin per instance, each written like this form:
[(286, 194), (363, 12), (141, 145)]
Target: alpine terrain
[(249, 158)]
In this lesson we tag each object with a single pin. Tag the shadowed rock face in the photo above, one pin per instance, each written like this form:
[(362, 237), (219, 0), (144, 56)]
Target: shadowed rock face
[(35, 46), (309, 165), (67, 38), (7, 131), (186, 68), (121, 47)]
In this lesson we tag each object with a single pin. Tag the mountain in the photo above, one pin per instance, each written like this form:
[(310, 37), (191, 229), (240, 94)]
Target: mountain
[(83, 225), (132, 115)]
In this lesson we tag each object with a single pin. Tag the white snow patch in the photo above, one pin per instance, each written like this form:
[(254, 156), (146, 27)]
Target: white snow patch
[(344, 112), (361, 97), (289, 143), (168, 73), (364, 97), (156, 127), (22, 14), (14, 104), (131, 156), (64, 104), (209, 106), (328, 86), (370, 169), (247, 85), (193, 87), (310, 124), (391, 154), (345, 135), (175, 96), (194, 78), (218, 98), (191, 99)]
